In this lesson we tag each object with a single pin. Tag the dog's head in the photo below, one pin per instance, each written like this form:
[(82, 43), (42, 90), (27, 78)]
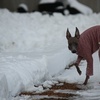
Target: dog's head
[(73, 41)]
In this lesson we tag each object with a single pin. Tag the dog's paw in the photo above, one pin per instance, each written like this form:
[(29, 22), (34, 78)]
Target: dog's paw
[(86, 80), (80, 72)]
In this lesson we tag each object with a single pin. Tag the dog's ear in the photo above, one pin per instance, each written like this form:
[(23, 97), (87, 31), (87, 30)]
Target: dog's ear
[(68, 35), (77, 34)]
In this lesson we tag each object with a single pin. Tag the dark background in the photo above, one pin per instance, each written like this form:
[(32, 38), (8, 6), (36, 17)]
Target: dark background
[(32, 4)]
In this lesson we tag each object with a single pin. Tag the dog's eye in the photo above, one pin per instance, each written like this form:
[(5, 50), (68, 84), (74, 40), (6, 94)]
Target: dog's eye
[(70, 44)]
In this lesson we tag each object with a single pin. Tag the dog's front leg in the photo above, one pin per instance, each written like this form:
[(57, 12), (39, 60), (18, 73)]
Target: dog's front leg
[(71, 65), (78, 70), (86, 80)]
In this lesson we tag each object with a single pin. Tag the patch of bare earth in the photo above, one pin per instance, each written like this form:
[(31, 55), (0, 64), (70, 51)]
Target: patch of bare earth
[(52, 95)]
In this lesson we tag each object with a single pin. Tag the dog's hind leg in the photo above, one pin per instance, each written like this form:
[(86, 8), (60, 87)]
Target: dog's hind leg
[(86, 80)]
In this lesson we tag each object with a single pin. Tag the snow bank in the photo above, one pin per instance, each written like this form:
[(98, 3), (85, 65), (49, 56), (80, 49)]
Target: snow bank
[(47, 1), (73, 3), (79, 6), (4, 92), (20, 72), (24, 6), (34, 32), (58, 61), (30, 37)]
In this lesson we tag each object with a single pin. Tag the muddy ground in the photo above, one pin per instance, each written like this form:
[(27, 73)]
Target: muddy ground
[(52, 95)]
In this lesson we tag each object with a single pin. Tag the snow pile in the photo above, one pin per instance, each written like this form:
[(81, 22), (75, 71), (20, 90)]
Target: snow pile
[(20, 72), (4, 92), (81, 7), (47, 1), (63, 57), (24, 6), (24, 33), (74, 4)]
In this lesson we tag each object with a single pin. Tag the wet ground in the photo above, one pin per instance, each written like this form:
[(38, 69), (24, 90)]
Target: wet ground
[(67, 91), (59, 91)]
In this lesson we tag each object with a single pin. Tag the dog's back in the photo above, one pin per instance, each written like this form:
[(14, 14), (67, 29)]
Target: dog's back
[(89, 41), (88, 44)]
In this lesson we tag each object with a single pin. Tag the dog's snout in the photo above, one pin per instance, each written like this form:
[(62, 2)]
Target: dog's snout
[(74, 51)]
